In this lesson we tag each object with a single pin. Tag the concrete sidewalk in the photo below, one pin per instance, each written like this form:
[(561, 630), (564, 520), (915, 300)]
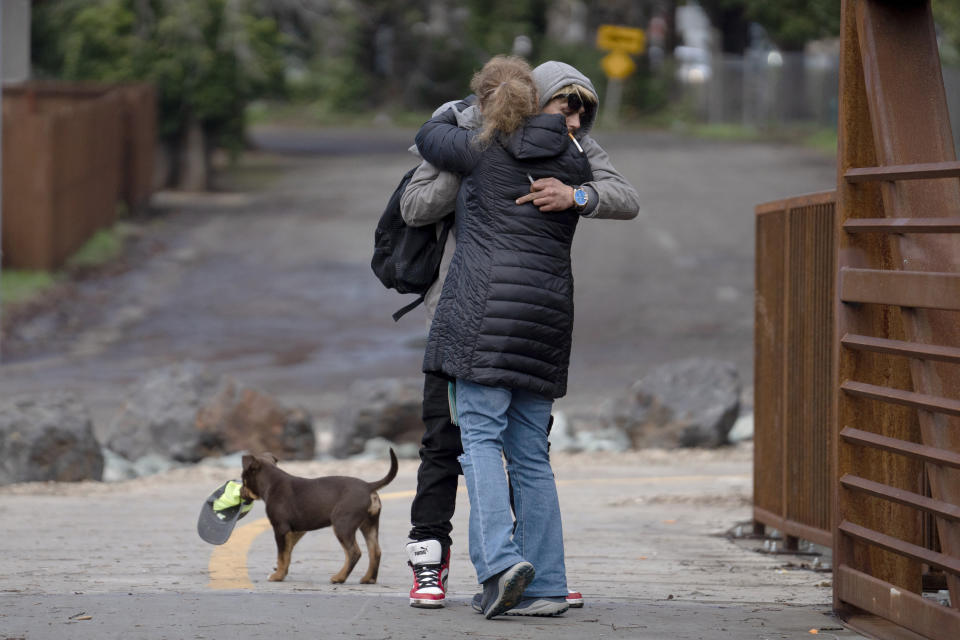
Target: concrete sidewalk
[(645, 543)]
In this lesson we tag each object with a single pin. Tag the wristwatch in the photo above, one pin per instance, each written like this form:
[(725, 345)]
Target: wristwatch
[(580, 198)]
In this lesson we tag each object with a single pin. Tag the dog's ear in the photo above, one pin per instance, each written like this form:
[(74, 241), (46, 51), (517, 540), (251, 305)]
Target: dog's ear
[(267, 454), (249, 462)]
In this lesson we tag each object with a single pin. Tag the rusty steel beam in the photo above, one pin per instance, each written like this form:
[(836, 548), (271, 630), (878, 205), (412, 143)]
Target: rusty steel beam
[(880, 490), (934, 559), (911, 125), (868, 251), (921, 289), (919, 171), (902, 348), (903, 225), (906, 610), (901, 447), (798, 202), (906, 398), (790, 527)]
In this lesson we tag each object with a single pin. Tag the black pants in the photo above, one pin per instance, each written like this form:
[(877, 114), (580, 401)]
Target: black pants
[(436, 498)]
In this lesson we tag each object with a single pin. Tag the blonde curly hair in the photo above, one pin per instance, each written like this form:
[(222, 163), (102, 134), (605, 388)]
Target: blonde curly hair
[(507, 96)]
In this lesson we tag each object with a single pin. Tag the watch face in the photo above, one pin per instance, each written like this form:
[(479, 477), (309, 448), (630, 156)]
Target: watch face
[(580, 197)]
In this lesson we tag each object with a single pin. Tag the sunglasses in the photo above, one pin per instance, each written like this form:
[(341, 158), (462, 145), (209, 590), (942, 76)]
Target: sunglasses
[(574, 101)]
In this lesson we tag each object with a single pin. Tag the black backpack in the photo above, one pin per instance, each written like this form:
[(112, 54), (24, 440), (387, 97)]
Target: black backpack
[(407, 258)]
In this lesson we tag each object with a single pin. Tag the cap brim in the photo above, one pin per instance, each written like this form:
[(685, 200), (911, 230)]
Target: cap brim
[(212, 527)]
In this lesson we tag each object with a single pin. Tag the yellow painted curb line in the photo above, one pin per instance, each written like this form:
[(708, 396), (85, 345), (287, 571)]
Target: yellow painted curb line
[(228, 562)]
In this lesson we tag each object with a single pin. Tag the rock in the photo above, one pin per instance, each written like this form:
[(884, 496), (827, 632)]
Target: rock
[(689, 403), (742, 429), (386, 408), (562, 436), (232, 461), (47, 437), (244, 419), (379, 449), (183, 413), (152, 464), (160, 412), (116, 468), (610, 440)]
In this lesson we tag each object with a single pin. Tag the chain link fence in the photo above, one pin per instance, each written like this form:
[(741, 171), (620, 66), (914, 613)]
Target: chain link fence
[(773, 90)]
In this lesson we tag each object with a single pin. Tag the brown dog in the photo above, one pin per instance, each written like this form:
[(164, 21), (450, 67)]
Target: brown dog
[(297, 505)]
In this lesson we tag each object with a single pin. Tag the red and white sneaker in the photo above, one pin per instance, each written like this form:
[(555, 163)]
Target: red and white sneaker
[(430, 570), (574, 599)]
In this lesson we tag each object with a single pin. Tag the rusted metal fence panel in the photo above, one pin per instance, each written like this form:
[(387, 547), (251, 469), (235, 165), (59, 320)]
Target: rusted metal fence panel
[(70, 151), (793, 374), (898, 332)]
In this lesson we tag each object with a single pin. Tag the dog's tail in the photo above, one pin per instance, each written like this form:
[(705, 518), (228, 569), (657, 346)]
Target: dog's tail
[(387, 479)]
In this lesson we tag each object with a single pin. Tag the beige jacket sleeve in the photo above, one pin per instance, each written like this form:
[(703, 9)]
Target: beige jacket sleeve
[(430, 195), (616, 198)]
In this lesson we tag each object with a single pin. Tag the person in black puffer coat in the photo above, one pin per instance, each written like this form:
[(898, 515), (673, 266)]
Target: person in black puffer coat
[(502, 330)]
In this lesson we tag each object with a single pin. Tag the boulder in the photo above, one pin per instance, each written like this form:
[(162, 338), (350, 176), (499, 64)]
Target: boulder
[(387, 408), (159, 415), (183, 413), (47, 437), (688, 403), (244, 419)]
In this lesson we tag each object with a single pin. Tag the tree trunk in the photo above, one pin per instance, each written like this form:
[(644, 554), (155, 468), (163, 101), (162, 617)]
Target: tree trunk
[(194, 159)]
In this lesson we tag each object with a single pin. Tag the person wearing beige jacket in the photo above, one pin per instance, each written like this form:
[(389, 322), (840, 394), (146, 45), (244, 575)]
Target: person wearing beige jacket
[(428, 198)]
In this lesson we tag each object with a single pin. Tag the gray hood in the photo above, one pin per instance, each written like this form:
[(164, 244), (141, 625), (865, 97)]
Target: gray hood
[(469, 118), (551, 76)]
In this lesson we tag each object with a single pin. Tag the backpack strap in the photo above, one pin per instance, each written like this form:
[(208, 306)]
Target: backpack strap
[(445, 225), (408, 308)]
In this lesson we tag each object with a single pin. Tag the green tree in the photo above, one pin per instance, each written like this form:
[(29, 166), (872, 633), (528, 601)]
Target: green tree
[(947, 16), (791, 24), (207, 58)]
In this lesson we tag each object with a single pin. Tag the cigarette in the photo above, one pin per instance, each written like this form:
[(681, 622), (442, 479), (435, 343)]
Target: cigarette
[(530, 178), (575, 142)]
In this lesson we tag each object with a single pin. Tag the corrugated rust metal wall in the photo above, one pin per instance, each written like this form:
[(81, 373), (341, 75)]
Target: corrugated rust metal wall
[(793, 374)]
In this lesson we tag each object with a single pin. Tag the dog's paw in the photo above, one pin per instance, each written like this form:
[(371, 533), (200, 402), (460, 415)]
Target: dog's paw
[(338, 579), (368, 581), (277, 577)]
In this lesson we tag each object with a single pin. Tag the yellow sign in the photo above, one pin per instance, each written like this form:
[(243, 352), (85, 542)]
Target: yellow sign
[(618, 65), (623, 39)]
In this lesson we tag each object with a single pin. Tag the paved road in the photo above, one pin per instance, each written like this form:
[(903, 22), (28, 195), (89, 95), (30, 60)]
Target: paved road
[(644, 539)]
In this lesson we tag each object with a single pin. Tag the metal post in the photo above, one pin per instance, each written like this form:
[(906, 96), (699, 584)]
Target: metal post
[(611, 110), (1, 177)]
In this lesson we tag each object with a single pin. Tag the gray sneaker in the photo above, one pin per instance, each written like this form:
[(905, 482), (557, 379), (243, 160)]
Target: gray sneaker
[(539, 607), (528, 606), (505, 590)]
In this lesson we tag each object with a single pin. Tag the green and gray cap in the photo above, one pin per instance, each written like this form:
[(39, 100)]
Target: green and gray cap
[(220, 512)]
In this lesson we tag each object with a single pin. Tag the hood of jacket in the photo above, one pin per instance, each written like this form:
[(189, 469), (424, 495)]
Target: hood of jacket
[(553, 75), (542, 136), (467, 112)]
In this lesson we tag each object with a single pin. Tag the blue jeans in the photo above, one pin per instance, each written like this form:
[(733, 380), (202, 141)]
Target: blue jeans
[(495, 423)]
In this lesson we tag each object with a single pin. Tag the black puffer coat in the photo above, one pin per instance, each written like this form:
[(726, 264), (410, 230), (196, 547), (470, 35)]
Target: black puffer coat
[(505, 315)]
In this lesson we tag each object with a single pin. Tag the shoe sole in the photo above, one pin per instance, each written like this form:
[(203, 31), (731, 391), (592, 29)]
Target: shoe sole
[(547, 610), (511, 586), (426, 604), (576, 605)]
